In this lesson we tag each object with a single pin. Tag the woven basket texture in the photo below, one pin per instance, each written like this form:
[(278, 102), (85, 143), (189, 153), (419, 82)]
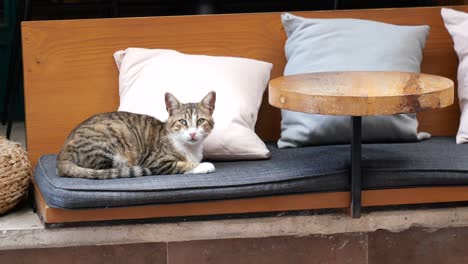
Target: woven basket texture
[(15, 174)]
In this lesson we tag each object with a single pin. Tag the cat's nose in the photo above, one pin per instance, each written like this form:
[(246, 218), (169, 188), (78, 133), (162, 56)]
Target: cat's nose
[(192, 135)]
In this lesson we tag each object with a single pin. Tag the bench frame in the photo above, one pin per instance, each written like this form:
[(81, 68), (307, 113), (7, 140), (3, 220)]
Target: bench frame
[(293, 202), (69, 75)]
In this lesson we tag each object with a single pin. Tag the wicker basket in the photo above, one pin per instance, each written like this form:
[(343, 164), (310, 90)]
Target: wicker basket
[(15, 173)]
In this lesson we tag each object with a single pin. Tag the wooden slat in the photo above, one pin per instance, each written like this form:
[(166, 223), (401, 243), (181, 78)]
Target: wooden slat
[(236, 206), (414, 195), (70, 73)]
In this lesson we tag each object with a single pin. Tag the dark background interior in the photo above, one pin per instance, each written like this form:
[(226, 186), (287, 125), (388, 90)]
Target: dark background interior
[(53, 9), (74, 9)]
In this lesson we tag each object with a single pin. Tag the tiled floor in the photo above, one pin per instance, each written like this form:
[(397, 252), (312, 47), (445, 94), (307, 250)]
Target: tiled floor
[(340, 248), (153, 253), (416, 245)]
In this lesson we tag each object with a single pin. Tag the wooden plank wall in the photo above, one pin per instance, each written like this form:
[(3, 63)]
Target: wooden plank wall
[(70, 73)]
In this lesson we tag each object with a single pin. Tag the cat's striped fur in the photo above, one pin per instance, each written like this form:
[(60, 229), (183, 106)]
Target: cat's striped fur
[(122, 144)]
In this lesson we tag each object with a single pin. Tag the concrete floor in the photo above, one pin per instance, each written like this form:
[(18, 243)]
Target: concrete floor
[(23, 229), (18, 133), (396, 236)]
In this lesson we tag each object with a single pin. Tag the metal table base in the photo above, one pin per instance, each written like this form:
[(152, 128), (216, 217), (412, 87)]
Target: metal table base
[(356, 146)]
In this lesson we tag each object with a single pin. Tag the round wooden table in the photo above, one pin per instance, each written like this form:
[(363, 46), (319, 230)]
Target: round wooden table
[(358, 94)]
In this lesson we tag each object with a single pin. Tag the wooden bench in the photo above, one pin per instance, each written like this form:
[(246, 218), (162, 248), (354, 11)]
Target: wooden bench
[(69, 74)]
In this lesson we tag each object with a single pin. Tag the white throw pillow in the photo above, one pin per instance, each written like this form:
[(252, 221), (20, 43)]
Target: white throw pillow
[(456, 23), (147, 74)]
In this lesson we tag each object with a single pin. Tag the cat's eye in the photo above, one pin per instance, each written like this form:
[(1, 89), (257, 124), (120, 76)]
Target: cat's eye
[(183, 122), (200, 121)]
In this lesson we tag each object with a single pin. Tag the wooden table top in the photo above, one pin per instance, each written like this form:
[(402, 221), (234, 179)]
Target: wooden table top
[(361, 93)]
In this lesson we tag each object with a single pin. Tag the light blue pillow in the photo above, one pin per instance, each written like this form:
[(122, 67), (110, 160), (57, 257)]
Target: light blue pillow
[(322, 45)]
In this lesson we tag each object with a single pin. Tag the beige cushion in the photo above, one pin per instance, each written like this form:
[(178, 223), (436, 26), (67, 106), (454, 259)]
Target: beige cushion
[(456, 23), (239, 83)]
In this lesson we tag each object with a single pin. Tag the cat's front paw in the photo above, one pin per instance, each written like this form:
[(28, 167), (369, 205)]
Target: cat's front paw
[(204, 167)]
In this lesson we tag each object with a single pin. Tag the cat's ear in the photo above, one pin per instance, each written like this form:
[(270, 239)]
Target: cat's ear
[(209, 101), (171, 103)]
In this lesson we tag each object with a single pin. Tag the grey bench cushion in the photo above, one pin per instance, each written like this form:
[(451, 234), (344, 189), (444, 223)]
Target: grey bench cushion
[(434, 162), (298, 170), (438, 161)]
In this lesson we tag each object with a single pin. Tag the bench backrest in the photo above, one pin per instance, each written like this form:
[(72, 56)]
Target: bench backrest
[(70, 74)]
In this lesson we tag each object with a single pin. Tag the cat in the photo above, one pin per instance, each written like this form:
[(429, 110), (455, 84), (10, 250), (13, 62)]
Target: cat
[(122, 144)]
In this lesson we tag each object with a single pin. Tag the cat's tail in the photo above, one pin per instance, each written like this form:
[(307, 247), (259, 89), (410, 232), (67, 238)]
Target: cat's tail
[(67, 168)]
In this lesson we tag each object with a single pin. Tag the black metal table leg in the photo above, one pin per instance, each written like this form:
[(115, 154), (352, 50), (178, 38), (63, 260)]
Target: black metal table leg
[(115, 8), (16, 68), (356, 167), (13, 64), (205, 7), (12, 74), (336, 4)]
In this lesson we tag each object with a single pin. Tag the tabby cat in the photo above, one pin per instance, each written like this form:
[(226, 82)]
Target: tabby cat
[(122, 144)]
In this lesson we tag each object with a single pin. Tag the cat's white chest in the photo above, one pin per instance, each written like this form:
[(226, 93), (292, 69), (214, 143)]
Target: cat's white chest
[(193, 153), (194, 157)]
